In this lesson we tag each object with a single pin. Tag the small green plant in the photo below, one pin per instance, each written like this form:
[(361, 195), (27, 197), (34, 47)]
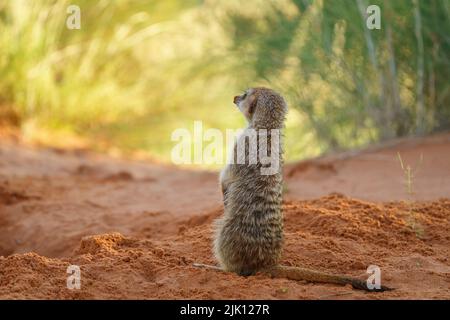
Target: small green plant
[(409, 175)]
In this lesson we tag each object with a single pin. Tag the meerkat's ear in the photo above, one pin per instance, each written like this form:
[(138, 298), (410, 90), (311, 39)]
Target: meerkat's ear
[(253, 103)]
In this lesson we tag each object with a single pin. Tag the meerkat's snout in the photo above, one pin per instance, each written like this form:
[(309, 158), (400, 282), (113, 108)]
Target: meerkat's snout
[(238, 99), (242, 102)]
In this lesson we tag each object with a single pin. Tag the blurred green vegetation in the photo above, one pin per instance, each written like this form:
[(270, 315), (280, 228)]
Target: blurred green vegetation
[(138, 69)]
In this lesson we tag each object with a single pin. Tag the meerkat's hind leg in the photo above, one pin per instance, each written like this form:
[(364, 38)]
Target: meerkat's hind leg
[(207, 266), (246, 273)]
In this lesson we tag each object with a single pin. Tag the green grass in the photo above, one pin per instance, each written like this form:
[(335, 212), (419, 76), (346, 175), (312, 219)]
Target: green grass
[(139, 69), (136, 71)]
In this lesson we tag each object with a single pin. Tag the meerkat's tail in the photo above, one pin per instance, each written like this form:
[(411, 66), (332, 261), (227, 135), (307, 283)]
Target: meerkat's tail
[(297, 273)]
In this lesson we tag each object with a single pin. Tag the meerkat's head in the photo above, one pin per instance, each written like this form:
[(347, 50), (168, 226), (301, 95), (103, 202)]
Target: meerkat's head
[(262, 107)]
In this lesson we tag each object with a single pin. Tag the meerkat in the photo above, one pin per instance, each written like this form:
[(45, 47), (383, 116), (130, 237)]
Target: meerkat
[(249, 236)]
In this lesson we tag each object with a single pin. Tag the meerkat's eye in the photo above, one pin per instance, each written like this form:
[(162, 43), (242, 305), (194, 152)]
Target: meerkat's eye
[(244, 95)]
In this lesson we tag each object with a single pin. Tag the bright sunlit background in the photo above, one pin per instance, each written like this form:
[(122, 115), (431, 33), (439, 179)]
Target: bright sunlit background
[(138, 69)]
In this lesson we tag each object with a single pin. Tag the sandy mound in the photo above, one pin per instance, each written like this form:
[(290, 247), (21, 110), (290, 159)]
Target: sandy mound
[(333, 233)]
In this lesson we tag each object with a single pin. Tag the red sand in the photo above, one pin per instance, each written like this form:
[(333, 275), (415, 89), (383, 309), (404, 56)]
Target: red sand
[(53, 201)]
